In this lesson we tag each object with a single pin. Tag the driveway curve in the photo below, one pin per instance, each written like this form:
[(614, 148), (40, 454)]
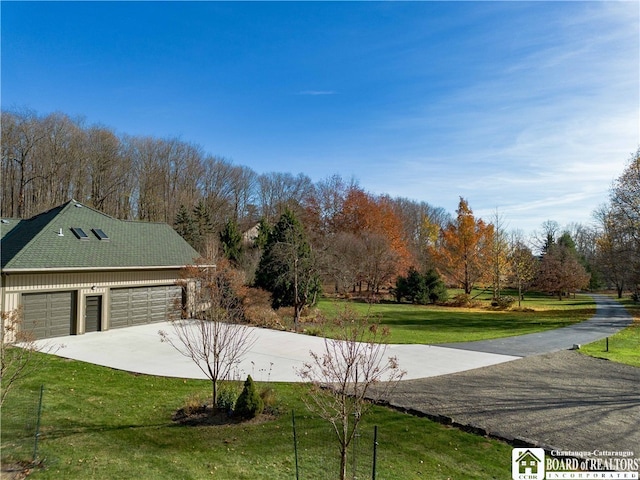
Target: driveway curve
[(552, 398), (274, 356), (610, 318)]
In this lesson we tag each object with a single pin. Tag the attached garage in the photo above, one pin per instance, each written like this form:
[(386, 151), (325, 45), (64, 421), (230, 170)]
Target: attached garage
[(49, 314), (73, 270), (142, 305)]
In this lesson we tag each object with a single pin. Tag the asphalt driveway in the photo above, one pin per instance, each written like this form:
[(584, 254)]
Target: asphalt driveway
[(552, 398), (610, 317), (559, 401)]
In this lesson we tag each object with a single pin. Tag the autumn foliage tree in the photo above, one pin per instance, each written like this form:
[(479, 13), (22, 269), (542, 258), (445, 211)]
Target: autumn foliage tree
[(560, 271), (379, 232), (614, 252), (523, 265), (619, 250), (464, 251)]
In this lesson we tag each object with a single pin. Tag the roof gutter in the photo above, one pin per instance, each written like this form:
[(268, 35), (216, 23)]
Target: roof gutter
[(96, 269)]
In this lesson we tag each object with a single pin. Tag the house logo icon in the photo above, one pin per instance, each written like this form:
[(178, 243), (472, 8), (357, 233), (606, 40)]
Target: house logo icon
[(527, 464)]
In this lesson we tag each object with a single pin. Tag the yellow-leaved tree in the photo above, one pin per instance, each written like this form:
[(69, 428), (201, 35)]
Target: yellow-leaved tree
[(464, 251)]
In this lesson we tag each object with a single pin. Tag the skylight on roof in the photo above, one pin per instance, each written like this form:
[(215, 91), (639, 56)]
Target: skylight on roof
[(100, 233), (78, 232)]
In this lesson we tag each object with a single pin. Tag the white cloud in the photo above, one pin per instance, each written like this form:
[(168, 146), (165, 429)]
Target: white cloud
[(543, 137), (317, 92)]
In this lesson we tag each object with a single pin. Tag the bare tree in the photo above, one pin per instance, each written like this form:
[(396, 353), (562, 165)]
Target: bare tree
[(343, 260), (217, 338), (107, 168), (62, 149), (615, 253), (243, 184), (499, 253), (623, 218), (547, 237), (344, 374), (21, 134), (278, 192), (379, 261)]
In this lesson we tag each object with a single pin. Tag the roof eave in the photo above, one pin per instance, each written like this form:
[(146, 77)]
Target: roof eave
[(95, 269)]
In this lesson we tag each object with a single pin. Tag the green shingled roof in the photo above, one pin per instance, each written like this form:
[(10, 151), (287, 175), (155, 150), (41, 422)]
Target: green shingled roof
[(36, 243), (8, 224)]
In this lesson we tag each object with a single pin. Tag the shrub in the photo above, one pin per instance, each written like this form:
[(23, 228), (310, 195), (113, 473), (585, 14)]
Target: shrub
[(503, 301), (314, 331), (439, 293), (227, 397), (460, 300), (249, 403), (268, 396), (264, 317), (193, 404), (420, 289), (258, 310)]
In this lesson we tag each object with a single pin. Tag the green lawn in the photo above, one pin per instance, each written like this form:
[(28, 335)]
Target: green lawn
[(624, 346), (100, 423), (107, 424), (430, 324)]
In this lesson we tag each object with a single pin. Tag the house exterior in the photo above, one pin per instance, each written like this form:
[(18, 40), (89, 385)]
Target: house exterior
[(73, 269)]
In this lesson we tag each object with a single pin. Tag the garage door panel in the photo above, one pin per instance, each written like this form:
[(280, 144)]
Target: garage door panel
[(59, 330), (49, 314), (119, 307), (142, 305)]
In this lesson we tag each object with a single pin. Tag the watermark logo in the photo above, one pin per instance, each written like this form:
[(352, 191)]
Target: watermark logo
[(527, 464), (534, 464)]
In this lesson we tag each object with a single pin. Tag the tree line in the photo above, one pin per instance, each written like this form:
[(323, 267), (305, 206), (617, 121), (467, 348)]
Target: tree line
[(358, 240)]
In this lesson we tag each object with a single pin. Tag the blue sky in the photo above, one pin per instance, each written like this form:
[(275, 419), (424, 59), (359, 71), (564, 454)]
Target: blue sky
[(530, 108)]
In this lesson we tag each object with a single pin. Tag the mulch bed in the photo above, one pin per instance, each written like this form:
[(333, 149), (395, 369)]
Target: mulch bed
[(207, 416)]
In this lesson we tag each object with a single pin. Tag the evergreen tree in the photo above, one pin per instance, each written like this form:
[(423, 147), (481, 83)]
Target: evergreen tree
[(421, 289), (287, 267), (412, 287), (249, 403), (203, 225), (231, 241), (264, 230), (437, 290), (185, 226)]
